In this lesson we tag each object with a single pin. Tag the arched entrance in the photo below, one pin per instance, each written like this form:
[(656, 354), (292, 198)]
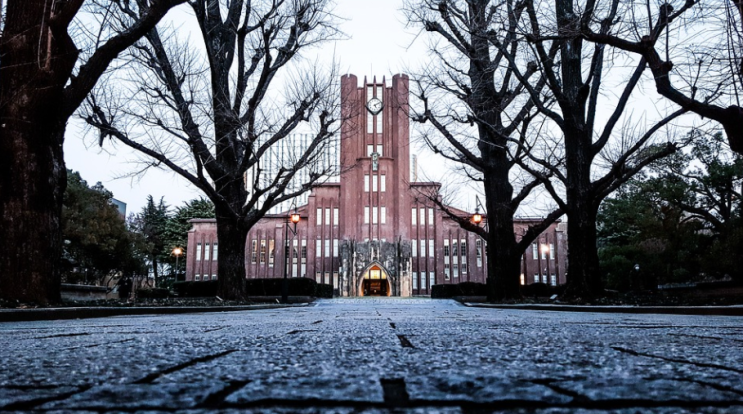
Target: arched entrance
[(375, 282)]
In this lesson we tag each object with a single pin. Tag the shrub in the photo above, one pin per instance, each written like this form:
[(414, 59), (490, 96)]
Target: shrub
[(196, 289), (541, 290), (154, 293), (459, 289), (298, 286), (324, 290)]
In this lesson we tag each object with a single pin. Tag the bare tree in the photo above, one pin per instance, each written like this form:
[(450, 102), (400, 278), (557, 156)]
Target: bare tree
[(212, 113), (598, 158), (42, 83), (694, 50), (481, 118)]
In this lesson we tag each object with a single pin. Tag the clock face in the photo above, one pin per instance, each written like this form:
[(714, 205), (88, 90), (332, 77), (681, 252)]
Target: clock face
[(374, 106)]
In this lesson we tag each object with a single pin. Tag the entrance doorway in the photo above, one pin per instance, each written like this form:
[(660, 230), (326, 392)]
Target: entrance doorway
[(375, 282)]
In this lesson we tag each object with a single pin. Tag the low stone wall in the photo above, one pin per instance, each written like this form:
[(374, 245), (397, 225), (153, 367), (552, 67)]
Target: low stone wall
[(86, 292)]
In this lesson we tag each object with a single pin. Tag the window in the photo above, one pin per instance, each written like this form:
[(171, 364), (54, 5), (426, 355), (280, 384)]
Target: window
[(544, 253), (318, 277), (423, 280), (197, 278), (463, 247), (464, 267), (446, 251), (534, 250), (214, 277), (430, 216), (369, 122), (366, 215), (430, 248), (304, 251), (379, 147), (382, 183), (523, 280), (327, 216), (263, 251), (335, 279), (369, 149), (380, 94), (544, 278), (254, 252), (335, 247), (455, 268), (375, 215), (216, 251), (366, 183), (327, 248), (415, 216), (319, 216), (552, 251), (446, 272), (198, 251), (375, 183), (271, 252), (318, 248), (423, 216), (536, 278), (553, 280), (478, 248), (415, 280), (454, 251), (335, 216), (383, 214), (415, 247), (206, 254), (423, 248), (431, 279)]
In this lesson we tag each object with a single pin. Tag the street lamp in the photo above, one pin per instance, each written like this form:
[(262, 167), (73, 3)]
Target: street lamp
[(293, 218), (477, 217), (177, 252)]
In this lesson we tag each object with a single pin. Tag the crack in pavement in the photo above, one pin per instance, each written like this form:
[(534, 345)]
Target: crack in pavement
[(549, 383), (33, 403), (215, 399), (392, 324), (678, 360), (718, 387), (404, 341), (296, 331), (102, 343), (394, 392), (62, 335), (316, 322), (155, 375), (215, 329)]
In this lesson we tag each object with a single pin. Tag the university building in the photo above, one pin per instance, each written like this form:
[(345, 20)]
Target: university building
[(374, 230)]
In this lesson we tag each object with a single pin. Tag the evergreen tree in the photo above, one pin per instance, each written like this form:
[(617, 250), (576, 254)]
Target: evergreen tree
[(150, 223)]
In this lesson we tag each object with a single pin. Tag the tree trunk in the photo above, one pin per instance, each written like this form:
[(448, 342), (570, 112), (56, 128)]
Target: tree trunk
[(32, 170), (154, 268), (503, 260), (584, 279), (232, 234)]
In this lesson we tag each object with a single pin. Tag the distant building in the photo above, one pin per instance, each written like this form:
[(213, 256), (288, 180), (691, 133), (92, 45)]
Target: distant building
[(121, 206), (374, 231)]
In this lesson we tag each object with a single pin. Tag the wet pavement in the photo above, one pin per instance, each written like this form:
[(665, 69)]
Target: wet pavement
[(376, 355)]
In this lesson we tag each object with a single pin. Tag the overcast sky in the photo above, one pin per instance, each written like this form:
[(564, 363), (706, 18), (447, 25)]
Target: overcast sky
[(378, 44)]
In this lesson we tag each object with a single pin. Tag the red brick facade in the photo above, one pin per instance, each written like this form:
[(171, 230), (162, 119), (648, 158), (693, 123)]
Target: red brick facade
[(374, 232)]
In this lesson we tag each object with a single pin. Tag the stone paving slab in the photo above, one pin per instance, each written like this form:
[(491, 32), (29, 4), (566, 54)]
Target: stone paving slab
[(732, 310), (375, 355)]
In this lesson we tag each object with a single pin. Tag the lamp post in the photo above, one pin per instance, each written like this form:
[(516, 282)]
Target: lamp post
[(177, 252), (293, 218)]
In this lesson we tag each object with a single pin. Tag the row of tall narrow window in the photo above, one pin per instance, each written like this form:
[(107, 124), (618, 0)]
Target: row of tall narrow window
[(423, 285), (378, 183), (421, 213), (318, 278), (535, 251), (378, 215), (422, 243), (210, 251), (327, 216), (198, 277)]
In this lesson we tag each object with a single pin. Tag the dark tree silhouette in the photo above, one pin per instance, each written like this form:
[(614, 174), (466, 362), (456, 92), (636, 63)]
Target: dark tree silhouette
[(211, 117), (42, 83)]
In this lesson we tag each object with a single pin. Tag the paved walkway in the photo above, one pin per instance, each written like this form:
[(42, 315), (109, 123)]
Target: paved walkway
[(369, 355)]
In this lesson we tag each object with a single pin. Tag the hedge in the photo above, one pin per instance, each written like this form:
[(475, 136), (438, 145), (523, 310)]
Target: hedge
[(458, 289), (541, 290), (298, 286), (154, 293)]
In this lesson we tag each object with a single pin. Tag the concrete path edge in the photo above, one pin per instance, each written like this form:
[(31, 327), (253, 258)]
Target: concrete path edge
[(671, 310)]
